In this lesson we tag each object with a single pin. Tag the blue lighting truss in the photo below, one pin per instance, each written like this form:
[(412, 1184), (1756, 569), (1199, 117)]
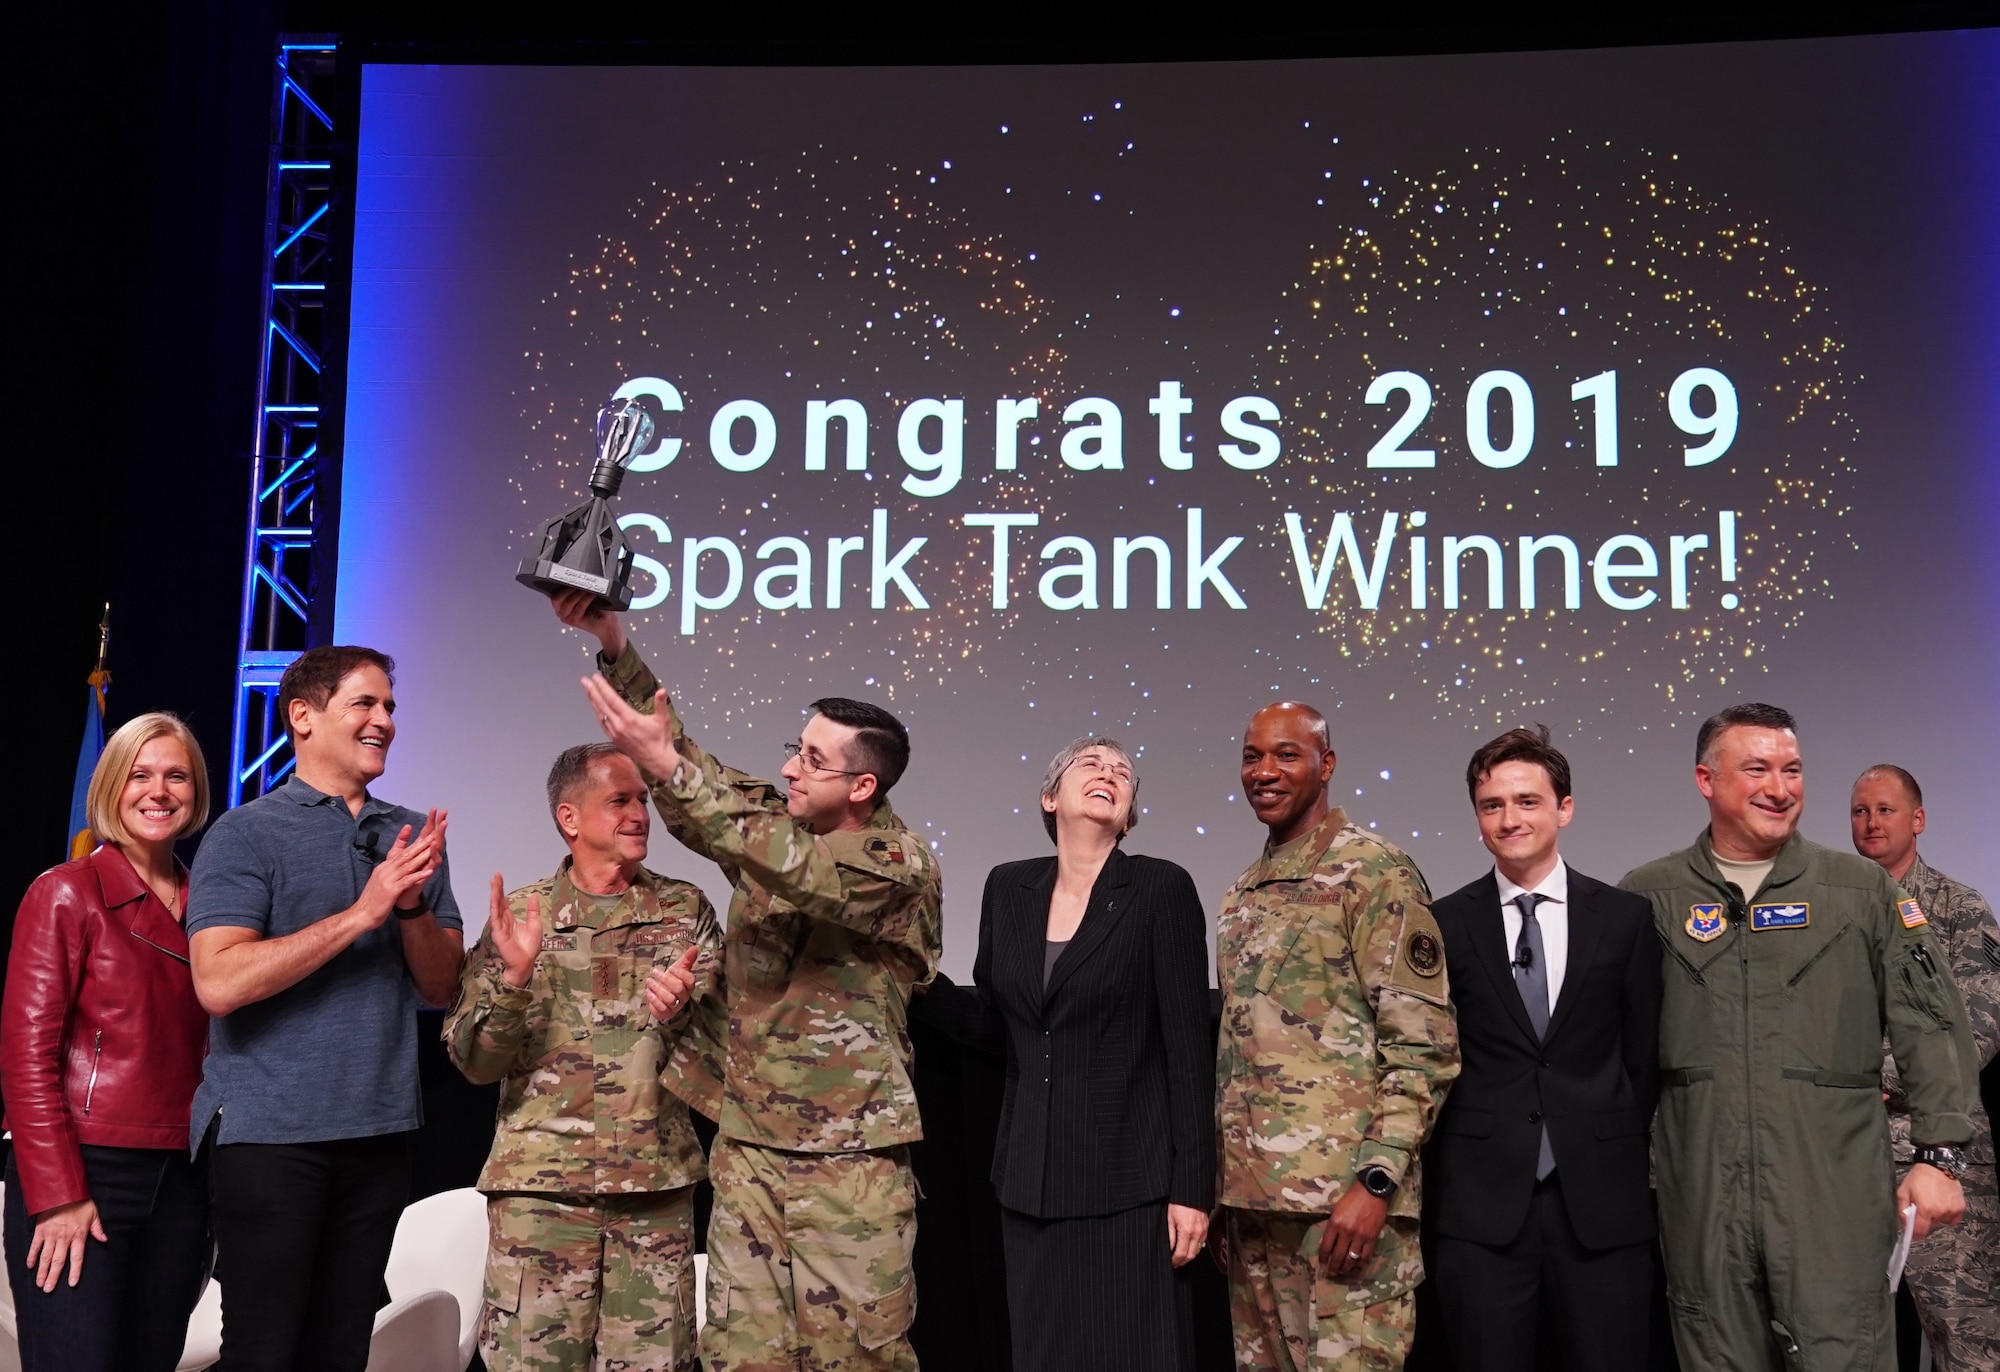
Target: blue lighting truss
[(284, 494)]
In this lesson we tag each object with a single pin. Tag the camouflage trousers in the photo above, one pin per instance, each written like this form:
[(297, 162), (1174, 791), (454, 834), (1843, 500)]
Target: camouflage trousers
[(1287, 1318), (602, 1282), (809, 1261), (1951, 1280)]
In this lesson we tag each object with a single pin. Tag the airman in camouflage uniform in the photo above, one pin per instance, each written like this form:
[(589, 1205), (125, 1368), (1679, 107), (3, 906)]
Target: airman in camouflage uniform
[(590, 1183), (1337, 1046), (1950, 1274), (802, 1054)]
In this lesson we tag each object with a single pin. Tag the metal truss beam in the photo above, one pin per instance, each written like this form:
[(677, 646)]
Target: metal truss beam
[(284, 471)]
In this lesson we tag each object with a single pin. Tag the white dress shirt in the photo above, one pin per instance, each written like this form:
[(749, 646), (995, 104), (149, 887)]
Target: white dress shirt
[(1552, 913)]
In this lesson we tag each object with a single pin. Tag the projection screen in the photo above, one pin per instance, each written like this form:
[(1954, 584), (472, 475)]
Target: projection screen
[(1600, 389)]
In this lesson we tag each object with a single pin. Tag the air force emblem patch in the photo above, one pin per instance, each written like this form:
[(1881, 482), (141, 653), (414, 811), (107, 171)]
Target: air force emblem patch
[(1795, 915), (1706, 923), (1912, 913)]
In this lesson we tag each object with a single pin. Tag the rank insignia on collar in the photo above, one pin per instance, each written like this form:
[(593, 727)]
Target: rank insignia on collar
[(1912, 913), (885, 849), (1706, 923), (1782, 915)]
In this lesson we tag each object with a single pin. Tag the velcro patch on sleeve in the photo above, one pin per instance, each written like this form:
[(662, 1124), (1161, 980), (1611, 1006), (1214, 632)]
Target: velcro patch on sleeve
[(885, 850), (1419, 966), (1912, 913)]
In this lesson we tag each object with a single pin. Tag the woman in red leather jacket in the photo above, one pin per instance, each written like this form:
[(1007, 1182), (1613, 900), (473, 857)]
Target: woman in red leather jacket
[(101, 1041)]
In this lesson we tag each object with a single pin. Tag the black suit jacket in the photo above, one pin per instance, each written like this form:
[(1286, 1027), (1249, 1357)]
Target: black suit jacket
[(1110, 1097), (1595, 1077)]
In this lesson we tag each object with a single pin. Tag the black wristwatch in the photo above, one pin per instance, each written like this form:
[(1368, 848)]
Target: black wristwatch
[(1948, 1160), (1376, 1181), (417, 913)]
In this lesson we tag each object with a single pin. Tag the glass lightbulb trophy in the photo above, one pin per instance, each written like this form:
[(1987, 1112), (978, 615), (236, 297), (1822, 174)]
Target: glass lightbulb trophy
[(583, 550)]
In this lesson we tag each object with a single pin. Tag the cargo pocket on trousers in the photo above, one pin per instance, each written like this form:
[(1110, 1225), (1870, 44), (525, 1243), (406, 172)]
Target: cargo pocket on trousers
[(884, 1320), (504, 1275)]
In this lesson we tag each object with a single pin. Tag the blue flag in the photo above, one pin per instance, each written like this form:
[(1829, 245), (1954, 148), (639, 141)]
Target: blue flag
[(80, 841)]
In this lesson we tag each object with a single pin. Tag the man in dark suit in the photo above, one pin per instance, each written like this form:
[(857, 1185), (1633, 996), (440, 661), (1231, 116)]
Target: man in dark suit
[(1539, 1191)]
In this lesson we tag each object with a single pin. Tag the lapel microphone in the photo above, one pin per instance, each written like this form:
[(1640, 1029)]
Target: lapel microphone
[(1524, 957)]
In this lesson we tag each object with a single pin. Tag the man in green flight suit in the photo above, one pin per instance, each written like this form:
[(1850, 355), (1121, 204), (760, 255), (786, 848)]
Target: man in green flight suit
[(1787, 965), (590, 1184), (802, 1053)]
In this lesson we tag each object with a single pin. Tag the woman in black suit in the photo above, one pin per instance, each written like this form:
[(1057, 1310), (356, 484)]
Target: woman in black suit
[(1093, 969)]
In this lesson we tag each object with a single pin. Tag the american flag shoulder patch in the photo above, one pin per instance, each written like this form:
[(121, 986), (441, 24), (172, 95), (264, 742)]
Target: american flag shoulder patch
[(1912, 913)]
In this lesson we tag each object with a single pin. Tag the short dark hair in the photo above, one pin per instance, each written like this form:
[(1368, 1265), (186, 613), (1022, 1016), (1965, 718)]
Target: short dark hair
[(1891, 769), (881, 744), (317, 673), (1754, 714), (1519, 745), (572, 766)]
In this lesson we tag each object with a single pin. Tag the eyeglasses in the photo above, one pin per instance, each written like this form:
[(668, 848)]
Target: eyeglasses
[(1104, 767), (812, 762)]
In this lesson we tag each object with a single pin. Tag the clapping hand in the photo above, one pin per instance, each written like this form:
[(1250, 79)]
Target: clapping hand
[(400, 877), (668, 989), (518, 942)]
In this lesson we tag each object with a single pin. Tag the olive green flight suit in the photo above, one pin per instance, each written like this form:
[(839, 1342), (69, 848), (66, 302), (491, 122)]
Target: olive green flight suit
[(1777, 1194)]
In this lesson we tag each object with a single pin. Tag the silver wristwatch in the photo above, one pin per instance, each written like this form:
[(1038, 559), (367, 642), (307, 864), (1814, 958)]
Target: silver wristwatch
[(1948, 1160)]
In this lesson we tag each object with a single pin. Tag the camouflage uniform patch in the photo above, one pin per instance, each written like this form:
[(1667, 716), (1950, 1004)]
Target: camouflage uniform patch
[(1287, 1318), (809, 1261), (1950, 1273), (600, 1282), (1338, 1041)]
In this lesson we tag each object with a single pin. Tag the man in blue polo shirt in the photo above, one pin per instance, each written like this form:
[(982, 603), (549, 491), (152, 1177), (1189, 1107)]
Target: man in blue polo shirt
[(318, 918)]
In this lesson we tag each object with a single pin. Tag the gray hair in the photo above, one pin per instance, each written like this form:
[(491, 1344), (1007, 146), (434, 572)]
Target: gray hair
[(572, 769), (1065, 759)]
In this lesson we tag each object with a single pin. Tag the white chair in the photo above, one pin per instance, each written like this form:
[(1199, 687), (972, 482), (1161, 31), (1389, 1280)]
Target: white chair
[(417, 1334), (406, 1337), (441, 1246), (203, 1348)]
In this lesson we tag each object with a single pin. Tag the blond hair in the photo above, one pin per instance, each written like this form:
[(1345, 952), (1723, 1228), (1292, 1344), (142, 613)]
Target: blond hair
[(114, 765)]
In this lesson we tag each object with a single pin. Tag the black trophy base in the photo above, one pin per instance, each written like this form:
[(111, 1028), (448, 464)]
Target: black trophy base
[(553, 579)]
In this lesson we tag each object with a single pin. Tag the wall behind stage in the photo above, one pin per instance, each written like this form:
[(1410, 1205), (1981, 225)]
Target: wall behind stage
[(1268, 372)]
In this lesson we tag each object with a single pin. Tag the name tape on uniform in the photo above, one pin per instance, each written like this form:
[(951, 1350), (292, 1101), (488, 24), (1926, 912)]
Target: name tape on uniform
[(1792, 915)]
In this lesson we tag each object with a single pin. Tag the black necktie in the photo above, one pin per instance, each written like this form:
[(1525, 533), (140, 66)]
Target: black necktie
[(1531, 976)]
